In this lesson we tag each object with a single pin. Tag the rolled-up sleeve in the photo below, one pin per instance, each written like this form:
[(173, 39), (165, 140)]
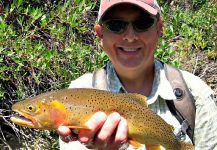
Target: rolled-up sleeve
[(206, 124), (205, 132)]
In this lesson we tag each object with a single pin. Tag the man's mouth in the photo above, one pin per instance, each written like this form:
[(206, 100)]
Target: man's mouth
[(129, 49)]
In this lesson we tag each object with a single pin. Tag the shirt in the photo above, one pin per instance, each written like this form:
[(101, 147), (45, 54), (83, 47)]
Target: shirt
[(205, 133)]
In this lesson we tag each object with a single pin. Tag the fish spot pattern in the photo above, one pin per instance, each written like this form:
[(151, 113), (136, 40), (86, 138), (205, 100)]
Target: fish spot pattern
[(77, 106)]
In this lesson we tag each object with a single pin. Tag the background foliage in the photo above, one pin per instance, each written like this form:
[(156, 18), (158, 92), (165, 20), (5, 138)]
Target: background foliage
[(46, 44)]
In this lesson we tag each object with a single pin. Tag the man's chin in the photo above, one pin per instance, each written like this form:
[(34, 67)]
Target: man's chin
[(131, 65)]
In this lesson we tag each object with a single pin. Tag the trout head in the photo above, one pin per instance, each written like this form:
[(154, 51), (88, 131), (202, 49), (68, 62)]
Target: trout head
[(33, 114)]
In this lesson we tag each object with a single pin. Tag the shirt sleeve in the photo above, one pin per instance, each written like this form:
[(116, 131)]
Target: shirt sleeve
[(73, 145), (205, 132), (206, 124), (84, 81)]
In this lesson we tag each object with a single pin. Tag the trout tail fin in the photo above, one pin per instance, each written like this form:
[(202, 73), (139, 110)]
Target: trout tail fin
[(185, 146)]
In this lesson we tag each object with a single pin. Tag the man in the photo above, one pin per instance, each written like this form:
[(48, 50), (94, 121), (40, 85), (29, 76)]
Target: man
[(129, 31)]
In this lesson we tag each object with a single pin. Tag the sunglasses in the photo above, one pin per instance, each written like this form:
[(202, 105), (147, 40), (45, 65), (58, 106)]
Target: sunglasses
[(139, 25)]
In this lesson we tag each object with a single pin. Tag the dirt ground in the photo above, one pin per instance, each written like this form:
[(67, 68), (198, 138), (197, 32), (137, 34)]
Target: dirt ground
[(203, 67)]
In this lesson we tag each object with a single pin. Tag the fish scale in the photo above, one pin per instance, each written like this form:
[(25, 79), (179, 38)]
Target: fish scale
[(73, 108)]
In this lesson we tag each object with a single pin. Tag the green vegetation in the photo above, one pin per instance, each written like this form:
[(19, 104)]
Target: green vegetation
[(46, 44)]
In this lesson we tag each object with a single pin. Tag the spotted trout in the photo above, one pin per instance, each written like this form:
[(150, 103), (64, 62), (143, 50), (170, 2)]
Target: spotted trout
[(73, 108)]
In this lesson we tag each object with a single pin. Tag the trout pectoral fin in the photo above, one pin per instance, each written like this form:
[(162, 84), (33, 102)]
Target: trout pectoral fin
[(152, 147), (134, 143), (78, 127)]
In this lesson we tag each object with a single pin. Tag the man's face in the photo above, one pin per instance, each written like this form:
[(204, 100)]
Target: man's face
[(130, 49)]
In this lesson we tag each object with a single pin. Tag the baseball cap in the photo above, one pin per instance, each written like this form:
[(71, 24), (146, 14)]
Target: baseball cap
[(151, 6)]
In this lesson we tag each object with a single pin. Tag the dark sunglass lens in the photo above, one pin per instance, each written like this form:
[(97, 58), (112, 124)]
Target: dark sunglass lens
[(116, 25), (143, 24)]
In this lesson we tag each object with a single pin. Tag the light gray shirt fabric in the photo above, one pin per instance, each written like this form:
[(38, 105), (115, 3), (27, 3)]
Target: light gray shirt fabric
[(205, 133)]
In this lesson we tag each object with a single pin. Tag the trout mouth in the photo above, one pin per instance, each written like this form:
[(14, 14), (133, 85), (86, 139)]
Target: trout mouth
[(22, 119)]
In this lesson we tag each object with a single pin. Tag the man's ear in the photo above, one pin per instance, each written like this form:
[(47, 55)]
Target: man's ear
[(160, 26), (98, 30)]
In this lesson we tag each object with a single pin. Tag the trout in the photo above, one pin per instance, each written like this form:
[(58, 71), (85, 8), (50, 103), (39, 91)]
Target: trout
[(73, 108)]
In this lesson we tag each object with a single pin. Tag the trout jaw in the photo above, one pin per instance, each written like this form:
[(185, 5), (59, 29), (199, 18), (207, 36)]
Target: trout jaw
[(24, 120)]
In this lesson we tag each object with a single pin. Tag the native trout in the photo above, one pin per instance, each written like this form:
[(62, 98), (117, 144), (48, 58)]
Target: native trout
[(73, 107)]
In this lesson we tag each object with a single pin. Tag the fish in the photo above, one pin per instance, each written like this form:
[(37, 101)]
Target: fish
[(73, 107)]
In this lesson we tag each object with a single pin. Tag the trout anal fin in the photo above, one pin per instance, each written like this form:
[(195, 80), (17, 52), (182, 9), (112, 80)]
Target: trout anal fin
[(152, 147), (134, 143)]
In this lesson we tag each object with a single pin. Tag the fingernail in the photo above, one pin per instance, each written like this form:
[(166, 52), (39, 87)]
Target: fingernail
[(84, 139), (115, 115)]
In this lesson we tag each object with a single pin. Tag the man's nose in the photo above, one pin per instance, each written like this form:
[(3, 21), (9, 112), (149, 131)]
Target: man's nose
[(130, 34)]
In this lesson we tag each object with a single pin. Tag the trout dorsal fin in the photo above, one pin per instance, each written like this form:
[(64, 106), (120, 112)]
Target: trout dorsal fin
[(141, 99)]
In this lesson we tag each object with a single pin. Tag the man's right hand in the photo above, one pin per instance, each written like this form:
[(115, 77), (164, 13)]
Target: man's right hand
[(106, 132)]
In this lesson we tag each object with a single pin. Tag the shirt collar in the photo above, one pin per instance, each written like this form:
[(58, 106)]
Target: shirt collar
[(114, 83), (161, 86)]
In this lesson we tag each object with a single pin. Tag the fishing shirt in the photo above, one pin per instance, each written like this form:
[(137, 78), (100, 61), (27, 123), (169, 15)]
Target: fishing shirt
[(205, 132)]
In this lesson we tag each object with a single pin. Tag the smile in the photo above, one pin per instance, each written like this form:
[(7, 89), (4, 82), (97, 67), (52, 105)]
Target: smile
[(129, 49)]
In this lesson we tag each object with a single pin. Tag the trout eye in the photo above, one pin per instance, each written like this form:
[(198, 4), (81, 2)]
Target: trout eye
[(31, 108)]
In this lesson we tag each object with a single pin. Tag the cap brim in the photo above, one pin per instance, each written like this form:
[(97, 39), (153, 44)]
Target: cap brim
[(144, 6)]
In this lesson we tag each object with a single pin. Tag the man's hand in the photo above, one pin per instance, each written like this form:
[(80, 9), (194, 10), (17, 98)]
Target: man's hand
[(106, 132)]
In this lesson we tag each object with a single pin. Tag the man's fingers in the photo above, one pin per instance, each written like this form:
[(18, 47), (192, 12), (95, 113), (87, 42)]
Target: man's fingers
[(65, 133), (105, 132), (119, 139), (109, 127), (113, 134), (122, 132), (94, 123)]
